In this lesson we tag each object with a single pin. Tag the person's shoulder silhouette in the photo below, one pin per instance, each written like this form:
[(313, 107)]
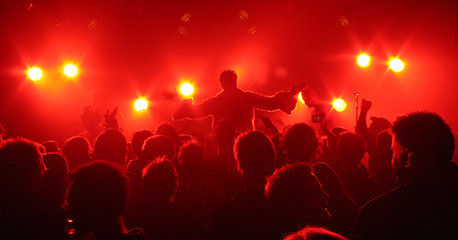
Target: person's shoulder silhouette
[(21, 177), (425, 205)]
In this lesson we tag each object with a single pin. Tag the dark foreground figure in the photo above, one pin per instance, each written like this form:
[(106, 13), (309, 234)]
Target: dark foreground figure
[(425, 205)]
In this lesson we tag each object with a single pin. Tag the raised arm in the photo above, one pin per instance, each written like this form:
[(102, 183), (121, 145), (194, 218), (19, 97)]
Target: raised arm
[(361, 125), (283, 100), (184, 107)]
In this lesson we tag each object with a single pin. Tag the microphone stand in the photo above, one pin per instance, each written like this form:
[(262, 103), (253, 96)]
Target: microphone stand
[(357, 107)]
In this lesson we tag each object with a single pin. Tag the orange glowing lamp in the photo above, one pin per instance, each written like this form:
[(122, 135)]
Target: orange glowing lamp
[(363, 60), (339, 105), (396, 65), (35, 74), (186, 89), (141, 104), (70, 70)]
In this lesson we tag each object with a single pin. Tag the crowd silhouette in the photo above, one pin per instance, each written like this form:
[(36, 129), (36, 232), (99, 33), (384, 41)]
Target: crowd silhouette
[(295, 185)]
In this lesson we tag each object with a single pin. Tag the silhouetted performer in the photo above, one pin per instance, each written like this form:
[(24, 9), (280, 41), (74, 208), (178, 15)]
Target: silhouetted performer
[(21, 176), (96, 200), (425, 205), (92, 123), (235, 104)]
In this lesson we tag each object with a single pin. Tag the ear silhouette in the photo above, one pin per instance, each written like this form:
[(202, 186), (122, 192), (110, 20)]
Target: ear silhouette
[(406, 157)]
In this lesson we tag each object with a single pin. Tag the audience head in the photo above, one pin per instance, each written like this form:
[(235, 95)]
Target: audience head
[(228, 80), (51, 146), (300, 143), (21, 166), (191, 156), (314, 233), (350, 149), (138, 138), (338, 130), (98, 193), (56, 177), (160, 180), (167, 129), (421, 141), (294, 191), (255, 154), (378, 125), (110, 146), (77, 151), (186, 137), (158, 145), (383, 151)]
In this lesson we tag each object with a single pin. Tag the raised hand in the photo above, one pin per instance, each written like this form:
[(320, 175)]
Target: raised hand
[(365, 105), (110, 119)]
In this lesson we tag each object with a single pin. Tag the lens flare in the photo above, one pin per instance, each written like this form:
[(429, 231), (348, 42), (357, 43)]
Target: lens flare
[(141, 104), (396, 65), (70, 70), (35, 74), (186, 89), (363, 60), (339, 105)]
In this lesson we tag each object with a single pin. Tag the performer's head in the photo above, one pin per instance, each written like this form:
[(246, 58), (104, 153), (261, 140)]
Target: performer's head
[(228, 79)]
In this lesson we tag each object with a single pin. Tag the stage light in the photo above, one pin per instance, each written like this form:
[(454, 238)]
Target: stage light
[(186, 89), (299, 97), (35, 74), (70, 70), (339, 105), (396, 65), (363, 60), (141, 104)]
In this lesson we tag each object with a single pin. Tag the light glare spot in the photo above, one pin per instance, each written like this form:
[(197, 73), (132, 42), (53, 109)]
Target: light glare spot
[(363, 60), (186, 89), (396, 65), (70, 70), (339, 105), (35, 74), (141, 104)]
